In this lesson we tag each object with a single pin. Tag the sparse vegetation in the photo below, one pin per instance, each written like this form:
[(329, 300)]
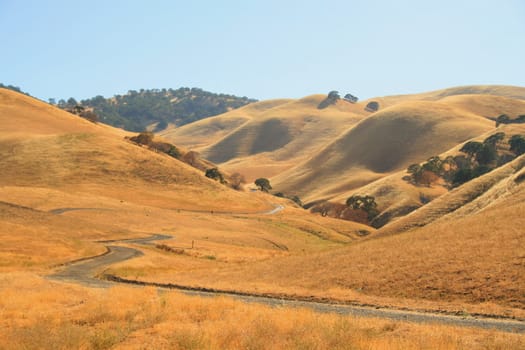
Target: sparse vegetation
[(145, 138), (481, 158), (83, 112)]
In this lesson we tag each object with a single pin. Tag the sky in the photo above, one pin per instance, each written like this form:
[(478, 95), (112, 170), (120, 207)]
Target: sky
[(260, 49)]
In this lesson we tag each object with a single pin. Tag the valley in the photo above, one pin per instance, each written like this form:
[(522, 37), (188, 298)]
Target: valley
[(71, 188)]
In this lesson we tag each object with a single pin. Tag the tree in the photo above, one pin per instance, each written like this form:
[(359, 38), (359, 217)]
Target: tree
[(366, 203), (351, 98), (494, 139), (462, 175), (517, 144), (428, 177), (144, 138), (71, 102), (237, 180), (433, 164), (471, 148), (263, 184), (334, 95), (191, 158), (415, 171), (372, 106), (297, 200), (215, 174), (502, 119), (332, 98), (91, 116), (487, 154)]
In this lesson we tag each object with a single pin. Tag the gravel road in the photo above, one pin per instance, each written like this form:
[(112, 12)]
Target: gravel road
[(84, 272)]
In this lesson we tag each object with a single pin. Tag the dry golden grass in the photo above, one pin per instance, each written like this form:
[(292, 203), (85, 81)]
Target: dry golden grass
[(472, 264), (385, 142), (290, 131), (39, 314), (319, 154)]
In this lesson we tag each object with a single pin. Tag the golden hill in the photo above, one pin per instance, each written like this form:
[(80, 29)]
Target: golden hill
[(112, 188), (332, 152), (470, 260), (386, 142), (265, 138), (43, 147)]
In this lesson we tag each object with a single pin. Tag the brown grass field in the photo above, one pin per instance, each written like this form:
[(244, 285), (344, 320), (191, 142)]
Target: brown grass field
[(39, 314), (470, 261)]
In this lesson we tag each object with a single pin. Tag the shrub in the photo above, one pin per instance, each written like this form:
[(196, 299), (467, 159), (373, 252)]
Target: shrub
[(215, 174)]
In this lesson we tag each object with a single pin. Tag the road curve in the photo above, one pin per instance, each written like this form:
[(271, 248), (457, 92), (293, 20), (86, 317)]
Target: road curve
[(85, 272)]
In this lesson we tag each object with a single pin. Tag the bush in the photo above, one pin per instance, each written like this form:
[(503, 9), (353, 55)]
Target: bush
[(144, 138), (215, 174)]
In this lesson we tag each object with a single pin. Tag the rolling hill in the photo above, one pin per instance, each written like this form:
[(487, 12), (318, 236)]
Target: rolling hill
[(67, 185), (328, 154), (45, 147)]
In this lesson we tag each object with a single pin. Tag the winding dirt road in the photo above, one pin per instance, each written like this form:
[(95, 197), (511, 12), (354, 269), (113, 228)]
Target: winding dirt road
[(85, 272)]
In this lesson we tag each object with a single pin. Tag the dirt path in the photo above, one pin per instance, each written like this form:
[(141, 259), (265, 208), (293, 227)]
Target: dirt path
[(277, 208), (85, 271)]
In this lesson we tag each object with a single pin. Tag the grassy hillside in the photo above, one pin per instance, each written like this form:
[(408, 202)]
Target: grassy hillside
[(468, 263), (272, 138), (383, 143), (328, 153), (52, 159), (45, 147)]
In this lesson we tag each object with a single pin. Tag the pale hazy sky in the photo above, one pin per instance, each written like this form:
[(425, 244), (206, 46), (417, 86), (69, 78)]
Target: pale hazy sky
[(261, 49)]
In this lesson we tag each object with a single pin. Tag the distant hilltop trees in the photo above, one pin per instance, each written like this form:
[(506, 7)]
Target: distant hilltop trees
[(14, 88), (333, 97), (138, 110)]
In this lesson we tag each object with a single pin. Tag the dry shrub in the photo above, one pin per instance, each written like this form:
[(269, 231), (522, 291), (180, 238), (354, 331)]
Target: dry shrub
[(69, 317), (169, 249)]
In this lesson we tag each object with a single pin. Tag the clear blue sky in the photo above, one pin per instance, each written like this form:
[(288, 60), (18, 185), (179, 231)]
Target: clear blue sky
[(261, 49)]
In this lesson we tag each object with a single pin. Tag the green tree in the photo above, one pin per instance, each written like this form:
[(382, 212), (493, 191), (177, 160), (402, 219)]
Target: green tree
[(415, 171), (494, 139), (433, 164), (502, 119), (487, 154), (471, 148), (263, 184), (215, 174), (462, 175), (517, 144), (372, 106), (331, 98), (366, 203)]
